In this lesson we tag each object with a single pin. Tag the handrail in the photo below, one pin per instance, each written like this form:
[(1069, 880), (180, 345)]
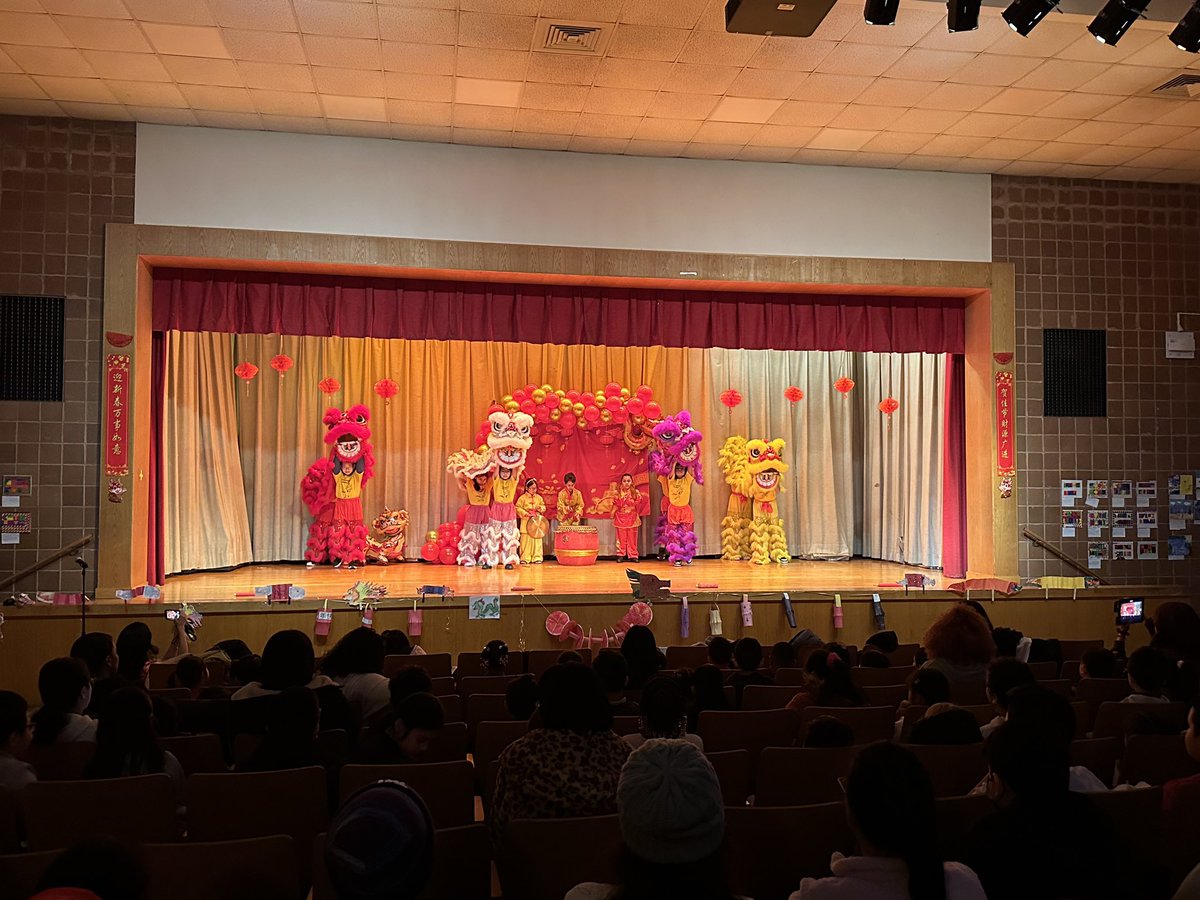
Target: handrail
[(42, 563), (1054, 551)]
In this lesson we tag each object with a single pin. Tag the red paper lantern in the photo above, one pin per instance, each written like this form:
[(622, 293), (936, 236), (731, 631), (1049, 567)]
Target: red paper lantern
[(794, 394), (282, 363), (329, 385), (387, 389), (731, 398), (889, 405), (245, 370), (844, 385)]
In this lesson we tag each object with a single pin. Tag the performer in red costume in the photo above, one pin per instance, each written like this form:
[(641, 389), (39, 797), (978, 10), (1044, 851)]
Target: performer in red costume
[(627, 518), (332, 490)]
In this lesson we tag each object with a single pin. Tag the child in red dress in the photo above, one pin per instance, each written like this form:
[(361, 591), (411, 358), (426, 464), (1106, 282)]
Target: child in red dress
[(627, 518)]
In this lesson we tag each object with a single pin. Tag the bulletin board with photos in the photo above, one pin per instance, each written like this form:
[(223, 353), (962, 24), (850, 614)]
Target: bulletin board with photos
[(1119, 519)]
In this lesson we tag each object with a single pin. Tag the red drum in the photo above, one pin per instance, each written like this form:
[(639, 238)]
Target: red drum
[(576, 545)]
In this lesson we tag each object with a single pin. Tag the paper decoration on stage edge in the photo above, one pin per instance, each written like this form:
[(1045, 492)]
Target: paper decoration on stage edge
[(487, 607), (364, 594), (1064, 582), (793, 394), (747, 612), (324, 621), (434, 590), (282, 363), (685, 619), (714, 621), (839, 618), (646, 586), (146, 591), (998, 585), (561, 626), (788, 610), (416, 621), (280, 593)]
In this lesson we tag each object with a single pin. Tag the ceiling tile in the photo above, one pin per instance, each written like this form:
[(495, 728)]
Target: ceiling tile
[(816, 157), (790, 54), (1041, 128), (31, 108), (656, 148), (644, 42), (679, 13), (832, 88), (21, 87), (277, 76), (929, 121), (481, 137), (558, 68), (929, 65), (951, 145), (218, 119), (981, 124), (286, 103), (510, 7), (682, 106), (418, 112), (127, 66), (806, 112), (991, 29), (595, 125), (218, 72), (430, 133), (842, 19), (880, 160), (422, 59), (480, 62), (910, 26), (760, 153), (353, 82), (102, 111), (97, 9), (1009, 148), (1061, 75), (411, 86), (1126, 80), (618, 101), (1024, 167), (1047, 40), (495, 32), (1166, 158), (218, 98), (1088, 49), (566, 97), (719, 48), (491, 118), (1095, 133), (712, 151), (7, 63), (725, 132), (178, 12), (1021, 101), (964, 97), (1186, 114), (896, 142), (1080, 106), (418, 26), (36, 30), (148, 93), (261, 15), (264, 46), (361, 128), (582, 10), (103, 34), (29, 6), (639, 74), (1143, 109), (1187, 142), (772, 84), (1052, 151), (859, 59), (294, 123), (1159, 53), (366, 109), (487, 92), (992, 68), (686, 78), (598, 144), (337, 19), (1152, 135), (51, 61), (186, 40), (546, 121), (896, 92), (85, 90), (161, 116), (334, 51), (739, 109), (840, 139), (542, 141), (866, 118), (669, 130), (790, 136), (976, 164)]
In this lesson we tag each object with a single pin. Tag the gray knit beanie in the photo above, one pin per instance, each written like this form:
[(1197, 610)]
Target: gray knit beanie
[(669, 802)]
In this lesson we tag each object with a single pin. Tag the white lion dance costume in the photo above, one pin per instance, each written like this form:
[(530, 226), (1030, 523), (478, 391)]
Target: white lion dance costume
[(752, 526), (472, 470), (508, 441)]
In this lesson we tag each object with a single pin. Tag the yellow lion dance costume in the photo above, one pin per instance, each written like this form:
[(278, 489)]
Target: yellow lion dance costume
[(752, 528)]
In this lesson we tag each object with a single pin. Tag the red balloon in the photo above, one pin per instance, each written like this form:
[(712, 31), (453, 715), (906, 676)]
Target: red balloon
[(568, 422), (449, 556), (644, 393), (653, 410), (460, 518), (529, 389), (612, 389), (612, 402), (621, 415), (542, 414), (591, 414), (528, 407), (635, 407), (520, 396), (588, 398), (573, 395), (430, 551)]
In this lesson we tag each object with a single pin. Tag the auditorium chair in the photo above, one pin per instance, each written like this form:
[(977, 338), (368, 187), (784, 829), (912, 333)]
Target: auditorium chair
[(735, 730), (869, 723), (1137, 818), (1156, 759), (158, 675), (21, 872), (791, 677), (538, 661), (1118, 719), (334, 744), (1076, 649), (448, 788), (865, 675), (733, 772), (623, 725), (968, 692), (1085, 715), (956, 816), (436, 665), (766, 696), (60, 762), (799, 776), (769, 849), (904, 655), (449, 744), (1060, 686), (443, 686), (1044, 671), (1098, 755), (10, 830), (885, 694), (484, 708), (139, 808), (911, 716), (542, 859), (983, 712), (1102, 690), (484, 684), (451, 707), (953, 769), (197, 752), (263, 868), (468, 663), (686, 657), (491, 739), (204, 717), (1070, 671), (170, 695), (1181, 833)]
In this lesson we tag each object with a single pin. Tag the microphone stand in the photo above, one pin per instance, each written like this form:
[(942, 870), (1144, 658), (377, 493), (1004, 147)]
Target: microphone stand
[(82, 563)]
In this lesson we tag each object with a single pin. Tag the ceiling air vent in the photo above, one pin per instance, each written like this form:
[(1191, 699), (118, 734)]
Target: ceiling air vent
[(579, 38), (1185, 86)]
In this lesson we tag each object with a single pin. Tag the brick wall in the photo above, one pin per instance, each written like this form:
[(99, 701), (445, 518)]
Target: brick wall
[(1126, 258), (62, 181)]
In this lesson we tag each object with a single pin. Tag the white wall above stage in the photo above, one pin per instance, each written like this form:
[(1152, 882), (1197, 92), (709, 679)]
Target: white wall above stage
[(346, 185)]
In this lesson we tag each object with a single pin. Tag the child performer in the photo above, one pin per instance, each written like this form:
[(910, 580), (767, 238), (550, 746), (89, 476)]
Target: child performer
[(531, 509), (570, 502), (627, 518), (479, 502)]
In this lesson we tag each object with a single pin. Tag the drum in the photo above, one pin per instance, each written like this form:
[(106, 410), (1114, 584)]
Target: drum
[(576, 545), (536, 526)]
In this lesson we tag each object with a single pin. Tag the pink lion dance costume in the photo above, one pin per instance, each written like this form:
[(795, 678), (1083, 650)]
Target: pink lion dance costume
[(509, 439), (332, 490), (676, 462)]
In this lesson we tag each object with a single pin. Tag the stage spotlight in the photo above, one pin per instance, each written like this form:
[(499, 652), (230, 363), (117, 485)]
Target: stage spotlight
[(1186, 35), (1022, 16), (1115, 18), (881, 12), (962, 15)]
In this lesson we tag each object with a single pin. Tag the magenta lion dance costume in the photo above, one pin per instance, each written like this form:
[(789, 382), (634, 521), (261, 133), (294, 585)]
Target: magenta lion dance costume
[(676, 462), (332, 490)]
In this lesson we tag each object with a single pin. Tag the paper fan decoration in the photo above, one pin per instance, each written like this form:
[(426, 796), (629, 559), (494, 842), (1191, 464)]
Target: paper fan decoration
[(889, 405), (387, 389), (282, 363), (329, 385), (557, 622), (245, 370), (731, 398), (844, 385), (793, 394)]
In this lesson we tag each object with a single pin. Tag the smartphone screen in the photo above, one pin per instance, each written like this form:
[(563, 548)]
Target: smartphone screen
[(1130, 612), (171, 614)]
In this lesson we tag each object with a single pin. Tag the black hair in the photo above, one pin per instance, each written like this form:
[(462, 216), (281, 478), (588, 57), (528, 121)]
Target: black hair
[(1007, 640), (953, 726), (641, 653), (126, 739), (60, 682), (190, 671), (294, 716), (783, 655), (14, 715), (748, 653), (569, 478), (494, 655), (521, 697), (884, 641), (134, 648), (976, 607), (420, 710), (891, 802), (826, 731), (570, 656), (287, 660), (571, 698), (1147, 668), (246, 669), (663, 707), (407, 681), (720, 651), (105, 866), (1043, 710), (529, 481), (359, 651), (1100, 662), (708, 692), (396, 643), (1005, 674), (871, 658), (612, 668), (837, 686), (930, 685), (1034, 766), (95, 649), (234, 648)]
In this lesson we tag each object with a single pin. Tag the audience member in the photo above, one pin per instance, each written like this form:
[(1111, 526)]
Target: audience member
[(127, 742), (494, 658), (1191, 740), (1049, 712), (1003, 675), (748, 656), (960, 645), (783, 656), (663, 713), (104, 867), (1099, 662), (192, 672), (397, 643), (1008, 642), (708, 692), (98, 653), (613, 671), (293, 723), (1147, 671), (356, 664), (720, 652), (380, 844), (66, 691), (1176, 631), (842, 651), (890, 806), (14, 740), (135, 651), (521, 697), (407, 681), (288, 661), (245, 669), (826, 731), (642, 655), (569, 656), (672, 826), (927, 687), (945, 723), (978, 608), (569, 766), (829, 683), (1044, 841), (885, 642), (405, 736), (870, 658)]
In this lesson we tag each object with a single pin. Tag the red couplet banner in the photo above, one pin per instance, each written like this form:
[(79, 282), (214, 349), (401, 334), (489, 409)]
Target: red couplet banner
[(1006, 458), (116, 428)]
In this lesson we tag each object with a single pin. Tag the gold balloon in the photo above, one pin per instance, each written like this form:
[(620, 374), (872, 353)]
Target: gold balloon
[(624, 393), (578, 409), (431, 535), (555, 414), (539, 396), (512, 406), (546, 389), (605, 415), (560, 393), (600, 399), (565, 405), (506, 399)]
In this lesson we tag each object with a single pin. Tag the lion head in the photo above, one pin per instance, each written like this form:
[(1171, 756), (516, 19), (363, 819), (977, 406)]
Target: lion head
[(347, 433)]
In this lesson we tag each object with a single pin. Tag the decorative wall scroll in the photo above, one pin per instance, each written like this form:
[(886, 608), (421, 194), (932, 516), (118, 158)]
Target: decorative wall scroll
[(116, 427), (1006, 458)]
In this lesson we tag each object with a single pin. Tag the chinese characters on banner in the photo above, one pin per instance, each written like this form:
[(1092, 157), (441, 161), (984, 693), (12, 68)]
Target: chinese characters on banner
[(116, 430), (1006, 459)]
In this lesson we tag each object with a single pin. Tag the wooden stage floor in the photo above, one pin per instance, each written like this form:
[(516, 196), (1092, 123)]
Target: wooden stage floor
[(607, 577)]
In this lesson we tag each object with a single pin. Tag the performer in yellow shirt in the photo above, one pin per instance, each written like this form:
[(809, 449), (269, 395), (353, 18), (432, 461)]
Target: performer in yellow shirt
[(472, 470), (676, 462), (570, 502), (347, 528), (531, 509)]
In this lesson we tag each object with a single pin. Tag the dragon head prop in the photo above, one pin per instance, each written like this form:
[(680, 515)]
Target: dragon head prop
[(347, 433), (678, 445), (509, 438)]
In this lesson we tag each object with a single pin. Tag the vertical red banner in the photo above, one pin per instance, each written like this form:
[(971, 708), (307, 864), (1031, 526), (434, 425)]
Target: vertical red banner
[(1006, 458), (116, 421)]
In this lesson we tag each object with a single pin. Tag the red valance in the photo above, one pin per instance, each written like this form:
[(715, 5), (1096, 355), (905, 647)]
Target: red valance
[(326, 305)]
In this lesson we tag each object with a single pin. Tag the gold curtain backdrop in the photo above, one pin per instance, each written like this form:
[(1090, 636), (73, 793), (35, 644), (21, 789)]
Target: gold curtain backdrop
[(235, 452)]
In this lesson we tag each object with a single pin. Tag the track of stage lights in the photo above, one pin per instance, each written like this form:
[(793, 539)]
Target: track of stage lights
[(1023, 16)]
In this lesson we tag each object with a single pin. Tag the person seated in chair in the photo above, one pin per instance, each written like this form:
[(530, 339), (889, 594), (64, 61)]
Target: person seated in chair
[(1004, 674), (1147, 672), (613, 670), (748, 655), (1191, 740), (663, 712), (14, 741), (407, 734), (1099, 662)]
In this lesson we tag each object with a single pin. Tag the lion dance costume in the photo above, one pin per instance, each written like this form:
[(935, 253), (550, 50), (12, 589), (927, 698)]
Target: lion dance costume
[(752, 528), (508, 441), (472, 469), (332, 489), (676, 462)]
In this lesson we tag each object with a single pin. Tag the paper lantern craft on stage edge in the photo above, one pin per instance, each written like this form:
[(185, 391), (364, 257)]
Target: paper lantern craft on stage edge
[(564, 628)]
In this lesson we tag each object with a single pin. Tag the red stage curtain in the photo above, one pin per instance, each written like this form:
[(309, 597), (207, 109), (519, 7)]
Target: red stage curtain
[(954, 470), (324, 305)]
